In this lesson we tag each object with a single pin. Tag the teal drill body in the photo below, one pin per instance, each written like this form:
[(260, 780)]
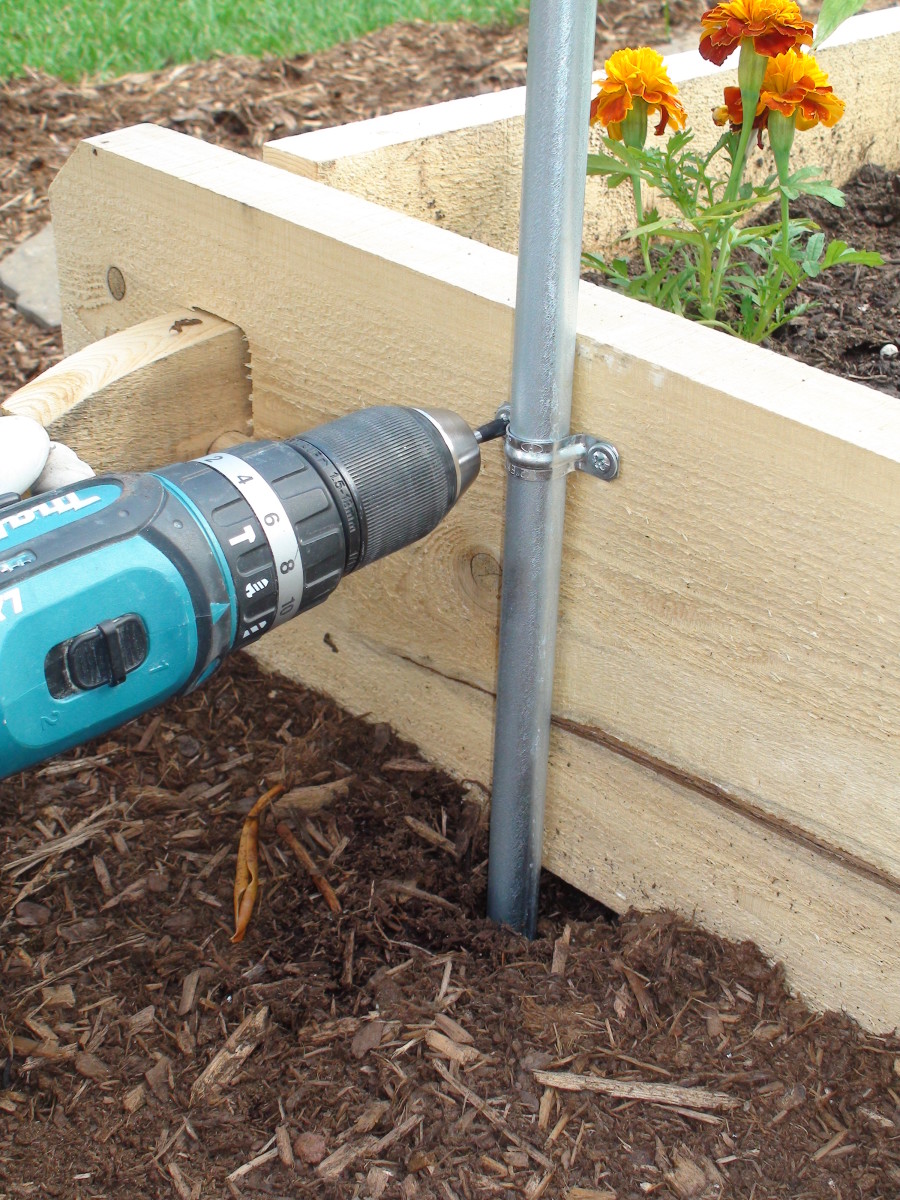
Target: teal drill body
[(123, 590)]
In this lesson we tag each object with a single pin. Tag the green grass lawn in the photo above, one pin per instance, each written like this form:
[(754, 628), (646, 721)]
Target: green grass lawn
[(74, 38)]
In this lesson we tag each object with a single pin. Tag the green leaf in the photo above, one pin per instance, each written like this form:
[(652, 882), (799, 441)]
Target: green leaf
[(832, 14), (665, 230), (602, 164), (812, 251), (838, 253)]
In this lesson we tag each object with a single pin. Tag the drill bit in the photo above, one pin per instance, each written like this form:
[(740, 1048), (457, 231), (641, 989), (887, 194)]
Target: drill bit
[(491, 430)]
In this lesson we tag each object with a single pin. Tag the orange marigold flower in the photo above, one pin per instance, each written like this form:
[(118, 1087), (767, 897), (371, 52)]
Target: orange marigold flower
[(636, 75), (794, 85), (773, 26)]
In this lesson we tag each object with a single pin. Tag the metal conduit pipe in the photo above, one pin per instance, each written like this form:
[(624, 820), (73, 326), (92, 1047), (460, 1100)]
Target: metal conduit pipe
[(560, 58)]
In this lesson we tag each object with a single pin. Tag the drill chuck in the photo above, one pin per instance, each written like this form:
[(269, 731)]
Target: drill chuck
[(124, 590)]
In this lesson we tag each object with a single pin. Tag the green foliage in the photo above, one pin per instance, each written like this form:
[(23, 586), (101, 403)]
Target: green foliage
[(74, 38), (832, 14), (704, 261)]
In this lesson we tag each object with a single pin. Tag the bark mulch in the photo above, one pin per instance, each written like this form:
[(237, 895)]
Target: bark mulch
[(373, 1035), (397, 1046)]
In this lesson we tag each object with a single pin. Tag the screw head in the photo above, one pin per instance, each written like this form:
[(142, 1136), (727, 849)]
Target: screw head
[(600, 460)]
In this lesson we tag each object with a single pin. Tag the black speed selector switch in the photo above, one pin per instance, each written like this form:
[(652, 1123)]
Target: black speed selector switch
[(100, 656)]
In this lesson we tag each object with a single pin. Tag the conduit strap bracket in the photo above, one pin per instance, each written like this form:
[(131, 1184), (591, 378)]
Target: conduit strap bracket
[(579, 452)]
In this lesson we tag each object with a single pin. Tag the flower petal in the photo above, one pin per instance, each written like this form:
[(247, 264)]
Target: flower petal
[(636, 74), (774, 26)]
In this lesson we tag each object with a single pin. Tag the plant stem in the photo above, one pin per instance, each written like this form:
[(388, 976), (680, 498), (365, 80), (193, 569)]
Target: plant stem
[(723, 248), (781, 139), (737, 167), (639, 214), (704, 272), (751, 70), (785, 223)]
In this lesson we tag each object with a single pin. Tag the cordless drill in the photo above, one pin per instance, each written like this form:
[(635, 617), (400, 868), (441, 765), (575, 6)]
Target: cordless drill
[(123, 590)]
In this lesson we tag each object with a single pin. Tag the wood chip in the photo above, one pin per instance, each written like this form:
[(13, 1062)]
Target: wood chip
[(58, 997), (377, 1180), (411, 766), (430, 835), (306, 801), (283, 1145), (91, 1067), (694, 1178), (84, 831), (102, 873), (545, 1107), (182, 1187), (142, 1020), (335, 1164), (398, 887), (453, 1029), (622, 1089), (159, 1077), (441, 1044), (226, 1064), (537, 1186), (189, 992), (134, 1098), (259, 1161), (830, 1146), (367, 1038), (347, 970), (300, 853), (638, 987), (877, 1118), (370, 1117), (561, 952), (370, 1147), (61, 770)]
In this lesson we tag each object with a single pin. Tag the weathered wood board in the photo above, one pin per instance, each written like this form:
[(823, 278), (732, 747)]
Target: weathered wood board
[(177, 363), (728, 692), (459, 164)]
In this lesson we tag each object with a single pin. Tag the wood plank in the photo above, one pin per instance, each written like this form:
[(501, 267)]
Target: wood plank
[(458, 165), (728, 629), (154, 393)]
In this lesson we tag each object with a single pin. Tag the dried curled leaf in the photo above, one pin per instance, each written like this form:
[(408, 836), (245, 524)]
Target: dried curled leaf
[(246, 874)]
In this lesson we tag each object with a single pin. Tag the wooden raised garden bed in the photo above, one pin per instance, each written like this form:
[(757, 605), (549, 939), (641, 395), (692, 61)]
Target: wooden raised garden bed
[(727, 714)]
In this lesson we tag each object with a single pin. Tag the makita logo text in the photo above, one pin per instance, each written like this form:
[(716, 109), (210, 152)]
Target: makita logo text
[(58, 506)]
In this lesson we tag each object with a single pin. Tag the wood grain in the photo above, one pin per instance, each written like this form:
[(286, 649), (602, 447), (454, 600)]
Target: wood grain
[(157, 392)]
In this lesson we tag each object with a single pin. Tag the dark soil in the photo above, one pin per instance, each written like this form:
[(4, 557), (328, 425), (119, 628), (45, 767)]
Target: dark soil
[(393, 1043), (854, 328)]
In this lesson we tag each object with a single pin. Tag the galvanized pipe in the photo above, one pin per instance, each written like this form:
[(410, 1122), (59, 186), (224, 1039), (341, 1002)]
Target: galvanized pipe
[(560, 57)]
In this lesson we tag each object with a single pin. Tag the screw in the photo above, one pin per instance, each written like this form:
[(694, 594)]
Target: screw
[(600, 460)]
